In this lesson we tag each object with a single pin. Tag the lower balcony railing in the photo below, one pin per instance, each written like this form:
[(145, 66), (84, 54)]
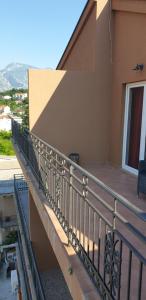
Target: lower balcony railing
[(111, 248), (20, 185)]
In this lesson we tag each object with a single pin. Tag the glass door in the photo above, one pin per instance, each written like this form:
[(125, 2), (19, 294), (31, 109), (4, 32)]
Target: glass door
[(134, 127)]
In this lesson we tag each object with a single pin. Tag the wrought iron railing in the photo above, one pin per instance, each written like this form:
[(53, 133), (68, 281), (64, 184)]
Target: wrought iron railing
[(20, 186), (27, 290), (105, 229)]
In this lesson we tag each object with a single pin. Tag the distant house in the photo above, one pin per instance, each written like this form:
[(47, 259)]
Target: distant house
[(5, 123), (4, 109), (7, 97), (5, 120), (20, 96)]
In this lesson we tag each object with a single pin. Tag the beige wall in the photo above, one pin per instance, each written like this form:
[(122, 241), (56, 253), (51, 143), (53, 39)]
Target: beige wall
[(129, 48), (44, 254), (71, 109), (82, 53), (69, 115), (83, 111), (7, 206)]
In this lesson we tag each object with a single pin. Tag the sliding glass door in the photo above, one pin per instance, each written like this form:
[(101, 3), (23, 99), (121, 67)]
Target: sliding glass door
[(134, 126)]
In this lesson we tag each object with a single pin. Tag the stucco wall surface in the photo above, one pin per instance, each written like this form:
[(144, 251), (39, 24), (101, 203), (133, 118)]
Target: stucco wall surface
[(70, 109), (64, 112), (129, 49)]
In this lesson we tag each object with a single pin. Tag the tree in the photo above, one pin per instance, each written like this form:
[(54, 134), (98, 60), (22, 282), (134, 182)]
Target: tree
[(25, 116), (11, 238)]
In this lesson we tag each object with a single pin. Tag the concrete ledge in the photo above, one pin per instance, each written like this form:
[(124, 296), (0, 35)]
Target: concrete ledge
[(79, 283)]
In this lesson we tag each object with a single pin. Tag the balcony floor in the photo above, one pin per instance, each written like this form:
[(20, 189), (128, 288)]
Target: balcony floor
[(120, 181), (124, 184), (5, 285), (54, 285)]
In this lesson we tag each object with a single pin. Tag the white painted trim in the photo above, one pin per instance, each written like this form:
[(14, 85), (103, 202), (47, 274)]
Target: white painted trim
[(143, 126)]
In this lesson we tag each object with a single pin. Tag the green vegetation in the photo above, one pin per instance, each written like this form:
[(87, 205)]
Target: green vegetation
[(11, 238), (6, 147), (25, 116), (13, 105), (18, 107)]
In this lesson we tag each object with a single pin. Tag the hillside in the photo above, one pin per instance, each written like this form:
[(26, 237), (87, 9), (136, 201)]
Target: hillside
[(14, 76)]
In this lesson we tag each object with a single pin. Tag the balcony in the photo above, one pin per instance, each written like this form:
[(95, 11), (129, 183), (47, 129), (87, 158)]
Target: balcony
[(106, 231), (33, 286)]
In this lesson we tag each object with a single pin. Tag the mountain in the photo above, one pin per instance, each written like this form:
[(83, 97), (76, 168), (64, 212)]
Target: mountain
[(14, 76)]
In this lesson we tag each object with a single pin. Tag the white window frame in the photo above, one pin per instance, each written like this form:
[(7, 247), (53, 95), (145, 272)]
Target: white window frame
[(143, 126)]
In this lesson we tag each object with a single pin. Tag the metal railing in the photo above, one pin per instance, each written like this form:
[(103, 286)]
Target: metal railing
[(24, 270), (20, 186), (95, 219)]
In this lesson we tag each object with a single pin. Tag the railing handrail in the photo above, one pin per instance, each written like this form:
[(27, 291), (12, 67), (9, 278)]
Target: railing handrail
[(133, 208)]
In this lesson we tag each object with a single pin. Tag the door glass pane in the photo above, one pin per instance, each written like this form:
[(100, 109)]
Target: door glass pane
[(134, 126)]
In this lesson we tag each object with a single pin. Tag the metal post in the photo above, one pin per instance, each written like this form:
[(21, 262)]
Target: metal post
[(71, 169)]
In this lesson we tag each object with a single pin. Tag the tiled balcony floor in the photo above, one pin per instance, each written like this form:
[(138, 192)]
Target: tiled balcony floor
[(124, 184), (120, 181), (55, 287)]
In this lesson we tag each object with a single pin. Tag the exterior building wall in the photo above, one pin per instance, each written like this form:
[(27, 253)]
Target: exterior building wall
[(7, 209), (3, 234), (82, 52), (66, 114), (129, 49), (7, 206), (46, 259), (81, 109), (70, 109)]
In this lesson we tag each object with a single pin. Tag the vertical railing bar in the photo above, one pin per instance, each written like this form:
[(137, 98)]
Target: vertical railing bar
[(70, 200), (80, 214), (88, 231), (76, 214), (99, 245), (140, 280), (105, 238), (84, 223), (93, 247), (120, 258), (129, 275), (72, 225)]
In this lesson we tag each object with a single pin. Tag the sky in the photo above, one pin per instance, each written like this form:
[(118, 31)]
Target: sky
[(36, 32)]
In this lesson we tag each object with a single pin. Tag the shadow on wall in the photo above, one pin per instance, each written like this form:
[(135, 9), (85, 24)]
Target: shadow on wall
[(70, 109)]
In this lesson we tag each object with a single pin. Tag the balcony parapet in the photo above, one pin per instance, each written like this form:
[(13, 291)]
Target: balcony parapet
[(101, 234)]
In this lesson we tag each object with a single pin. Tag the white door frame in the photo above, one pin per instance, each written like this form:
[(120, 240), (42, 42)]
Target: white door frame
[(143, 126)]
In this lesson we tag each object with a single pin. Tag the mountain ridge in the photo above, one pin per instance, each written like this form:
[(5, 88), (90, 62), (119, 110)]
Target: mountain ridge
[(14, 75)]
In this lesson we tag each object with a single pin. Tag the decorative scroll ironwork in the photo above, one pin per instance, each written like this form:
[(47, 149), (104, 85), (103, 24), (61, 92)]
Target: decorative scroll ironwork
[(112, 263)]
